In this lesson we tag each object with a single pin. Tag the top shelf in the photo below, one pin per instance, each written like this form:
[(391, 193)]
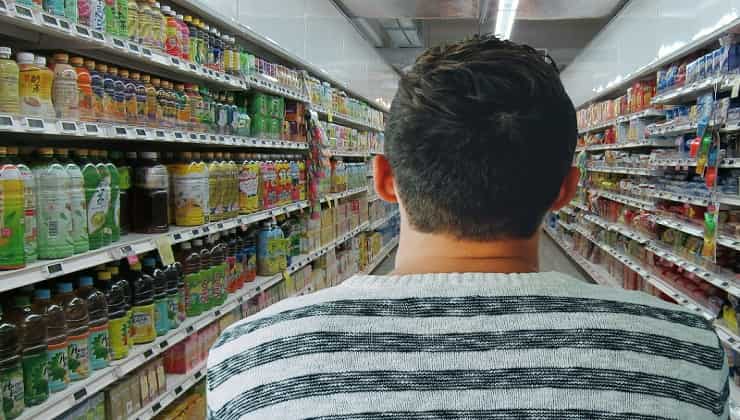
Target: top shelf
[(345, 119)]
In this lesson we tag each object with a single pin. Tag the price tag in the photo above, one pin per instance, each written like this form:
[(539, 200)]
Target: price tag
[(53, 270), (127, 251), (49, 20), (179, 135), (163, 344), (82, 31), (212, 137), (193, 137), (192, 67), (68, 126), (118, 43), (92, 129), (133, 47), (159, 134), (64, 25), (177, 237), (23, 12), (195, 232), (146, 52), (97, 35), (156, 407), (210, 73), (35, 123), (206, 229), (175, 61), (227, 78), (141, 132), (6, 121), (198, 374), (121, 131), (203, 137), (80, 394), (189, 329), (148, 353), (164, 247)]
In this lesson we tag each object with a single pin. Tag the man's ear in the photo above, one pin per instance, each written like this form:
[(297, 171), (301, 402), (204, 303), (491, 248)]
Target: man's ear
[(567, 189), (383, 177)]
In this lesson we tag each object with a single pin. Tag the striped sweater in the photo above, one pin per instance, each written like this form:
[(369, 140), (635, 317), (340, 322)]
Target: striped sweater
[(469, 346)]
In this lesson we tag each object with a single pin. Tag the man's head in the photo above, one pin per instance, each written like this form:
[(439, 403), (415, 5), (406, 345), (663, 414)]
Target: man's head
[(479, 141)]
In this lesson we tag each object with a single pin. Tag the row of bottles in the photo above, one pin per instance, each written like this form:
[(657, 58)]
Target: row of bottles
[(77, 88)]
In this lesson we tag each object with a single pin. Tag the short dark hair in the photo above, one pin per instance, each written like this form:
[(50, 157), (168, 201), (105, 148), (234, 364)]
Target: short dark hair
[(480, 137)]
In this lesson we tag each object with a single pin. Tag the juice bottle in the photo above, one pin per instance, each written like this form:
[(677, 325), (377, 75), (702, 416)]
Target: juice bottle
[(84, 89), (190, 185), (144, 24), (159, 24), (54, 216), (65, 94), (32, 332), (119, 95), (97, 308), (140, 98), (70, 10), (113, 220), (97, 20), (29, 85), (193, 105), (132, 18), (30, 244), (219, 115), (232, 265), (152, 101), (109, 93), (97, 199), (170, 98), (279, 245), (172, 33), (173, 294), (122, 15), (249, 187), (206, 274), (129, 97), (183, 107), (219, 265), (161, 113), (207, 44), (11, 370), (56, 332), (183, 36), (117, 323), (77, 201), (54, 7), (150, 195), (233, 185), (192, 39), (126, 284), (143, 306), (124, 190), (78, 331), (98, 91), (111, 17), (9, 83), (46, 81), (161, 302), (85, 10), (265, 251), (12, 215), (190, 261)]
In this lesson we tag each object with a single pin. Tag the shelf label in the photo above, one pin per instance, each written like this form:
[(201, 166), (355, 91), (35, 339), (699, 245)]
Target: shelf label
[(164, 248), (156, 407), (178, 390), (159, 134), (212, 137), (178, 135), (121, 131), (49, 20), (141, 132), (198, 374), (3, 7), (92, 129), (163, 344), (206, 229), (82, 31), (192, 67), (175, 61), (203, 137), (68, 126), (65, 25), (195, 232), (80, 394), (189, 329), (133, 47), (146, 52), (148, 353), (53, 270), (6, 121), (118, 43), (35, 123), (97, 35), (193, 137)]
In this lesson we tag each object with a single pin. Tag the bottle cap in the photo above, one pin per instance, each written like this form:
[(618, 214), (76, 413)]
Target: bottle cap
[(61, 58), (105, 275), (25, 58), (77, 61), (6, 51), (64, 287), (86, 281), (40, 61)]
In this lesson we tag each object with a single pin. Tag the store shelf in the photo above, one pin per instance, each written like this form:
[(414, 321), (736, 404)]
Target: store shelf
[(645, 113), (376, 152), (343, 194), (597, 127), (696, 230), (666, 195), (623, 170), (625, 199), (565, 225), (382, 254), (347, 153), (382, 221), (44, 28), (567, 210), (597, 273), (577, 205), (128, 245), (629, 145), (176, 385), (344, 119), (268, 85), (729, 163), (694, 90)]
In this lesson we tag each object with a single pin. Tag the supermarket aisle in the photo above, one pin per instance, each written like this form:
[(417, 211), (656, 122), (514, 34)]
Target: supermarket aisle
[(387, 265), (552, 258)]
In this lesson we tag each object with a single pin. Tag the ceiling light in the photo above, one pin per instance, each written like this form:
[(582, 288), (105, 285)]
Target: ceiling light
[(505, 18)]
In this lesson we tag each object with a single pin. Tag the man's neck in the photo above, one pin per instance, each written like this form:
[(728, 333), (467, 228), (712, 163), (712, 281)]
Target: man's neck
[(421, 253)]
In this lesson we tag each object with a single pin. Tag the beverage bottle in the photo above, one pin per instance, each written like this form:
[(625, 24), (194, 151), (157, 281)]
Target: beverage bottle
[(119, 95), (122, 15), (54, 7), (97, 112), (232, 122), (70, 11), (206, 115), (56, 333), (161, 109), (159, 25), (30, 244), (172, 33), (169, 161), (183, 107), (213, 191), (143, 306), (78, 331), (77, 201), (144, 23), (132, 19), (127, 286), (194, 105), (219, 115), (99, 158), (233, 185), (123, 170), (265, 265), (97, 199), (129, 96), (97, 308), (109, 93), (97, 19), (190, 260), (229, 242), (111, 17), (161, 303), (12, 219), (183, 37), (240, 272), (9, 83), (32, 333), (45, 84), (170, 104), (85, 12), (65, 93), (251, 251), (207, 46), (216, 50), (173, 294), (54, 218), (226, 54), (113, 220), (11, 370), (104, 281), (140, 98), (117, 323), (150, 195), (249, 186), (29, 85), (152, 101), (280, 247), (192, 37), (219, 264), (84, 89), (206, 274), (190, 186)]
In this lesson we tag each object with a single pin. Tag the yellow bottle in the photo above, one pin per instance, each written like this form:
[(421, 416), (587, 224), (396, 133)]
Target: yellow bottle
[(214, 188), (190, 183), (248, 185), (206, 186), (9, 83), (222, 179)]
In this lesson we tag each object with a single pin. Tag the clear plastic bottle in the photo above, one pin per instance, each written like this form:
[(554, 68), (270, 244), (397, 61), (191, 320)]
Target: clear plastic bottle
[(140, 97), (78, 331), (190, 260), (97, 199), (124, 191), (32, 328), (54, 216), (98, 91), (97, 309), (183, 107), (152, 101), (84, 89), (56, 332), (184, 36), (111, 17), (174, 298), (45, 80), (172, 33), (65, 92), (132, 19), (145, 24), (97, 21), (218, 263), (113, 220), (159, 24), (29, 207), (206, 274), (54, 7), (77, 201), (109, 93), (119, 95), (70, 10), (9, 83), (85, 12), (150, 195), (11, 370), (99, 157), (122, 16), (129, 96)]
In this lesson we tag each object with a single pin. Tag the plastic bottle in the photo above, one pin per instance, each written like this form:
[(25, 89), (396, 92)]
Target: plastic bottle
[(229, 242), (28, 85), (126, 284), (97, 308), (140, 98), (84, 90), (192, 39), (161, 301), (99, 157), (193, 104), (119, 95), (173, 297), (183, 107), (172, 33), (78, 331), (122, 15), (150, 195), (123, 170), (190, 184), (54, 218), (144, 29), (190, 261), (249, 187), (219, 267), (12, 216), (30, 243), (280, 246), (143, 306), (206, 274), (97, 199), (56, 332), (65, 93), (160, 118), (152, 101), (85, 10), (77, 201), (233, 169), (117, 323), (32, 329), (70, 11), (113, 220), (264, 254), (129, 96), (109, 93), (111, 17), (132, 19), (9, 83), (159, 24), (54, 7), (11, 370), (97, 112), (97, 20)]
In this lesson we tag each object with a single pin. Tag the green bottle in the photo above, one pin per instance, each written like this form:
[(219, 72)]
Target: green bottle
[(34, 357), (12, 219), (124, 186), (11, 370), (99, 157), (77, 199), (54, 215), (115, 199), (29, 206), (111, 17), (96, 199)]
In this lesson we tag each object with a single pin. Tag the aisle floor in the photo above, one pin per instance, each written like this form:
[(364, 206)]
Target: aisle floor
[(552, 258)]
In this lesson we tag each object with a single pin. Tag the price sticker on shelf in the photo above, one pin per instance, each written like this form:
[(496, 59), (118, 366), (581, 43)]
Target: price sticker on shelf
[(6, 121), (133, 47), (127, 251), (82, 31), (141, 132), (121, 132), (92, 129), (64, 25), (164, 248), (146, 52), (53, 270), (35, 123), (67, 127), (118, 43), (23, 12), (193, 137), (49, 20), (97, 36)]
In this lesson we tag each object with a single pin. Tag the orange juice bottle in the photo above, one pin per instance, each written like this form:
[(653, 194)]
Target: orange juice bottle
[(84, 89)]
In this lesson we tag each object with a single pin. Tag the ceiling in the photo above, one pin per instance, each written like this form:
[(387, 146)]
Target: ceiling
[(402, 29)]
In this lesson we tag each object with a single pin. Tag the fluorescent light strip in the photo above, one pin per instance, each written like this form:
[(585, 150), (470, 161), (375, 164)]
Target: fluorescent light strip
[(505, 18)]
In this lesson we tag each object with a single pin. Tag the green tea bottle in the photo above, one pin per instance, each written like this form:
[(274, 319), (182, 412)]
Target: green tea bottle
[(143, 306), (117, 322), (77, 199), (113, 220), (11, 370), (56, 341), (97, 309), (32, 327), (29, 207), (75, 312), (54, 217), (161, 303), (12, 218), (96, 199), (98, 157)]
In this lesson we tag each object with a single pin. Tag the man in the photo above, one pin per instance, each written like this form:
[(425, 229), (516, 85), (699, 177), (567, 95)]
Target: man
[(479, 143)]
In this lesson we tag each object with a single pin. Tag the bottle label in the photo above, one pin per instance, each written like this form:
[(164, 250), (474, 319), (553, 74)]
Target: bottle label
[(9, 87), (219, 283), (172, 309), (118, 337), (65, 94), (35, 378), (161, 316), (181, 305), (130, 327), (97, 209), (29, 211), (143, 324), (11, 380), (193, 294), (248, 189), (79, 231), (58, 366), (98, 344), (12, 219), (78, 356), (190, 194), (54, 222)]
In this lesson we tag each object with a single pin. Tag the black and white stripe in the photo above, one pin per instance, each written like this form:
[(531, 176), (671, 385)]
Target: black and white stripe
[(505, 414)]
